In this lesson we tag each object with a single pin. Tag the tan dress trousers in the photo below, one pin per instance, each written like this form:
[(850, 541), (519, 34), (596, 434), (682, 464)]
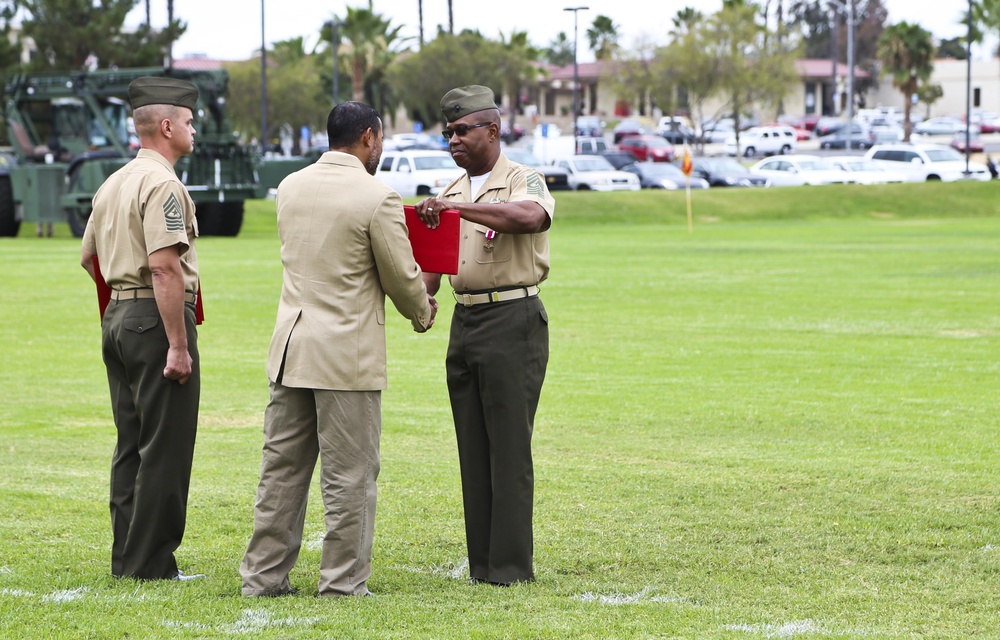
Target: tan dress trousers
[(342, 429)]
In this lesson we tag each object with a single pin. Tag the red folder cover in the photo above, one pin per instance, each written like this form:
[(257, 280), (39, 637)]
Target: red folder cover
[(436, 250), (104, 294), (103, 290)]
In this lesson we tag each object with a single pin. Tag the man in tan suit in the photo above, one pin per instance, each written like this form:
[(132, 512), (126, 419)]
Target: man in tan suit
[(344, 247)]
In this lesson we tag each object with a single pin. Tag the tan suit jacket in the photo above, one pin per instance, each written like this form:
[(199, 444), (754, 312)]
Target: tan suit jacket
[(344, 246)]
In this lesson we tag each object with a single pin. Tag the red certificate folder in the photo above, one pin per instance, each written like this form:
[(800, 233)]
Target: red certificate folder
[(104, 294), (103, 290), (436, 250)]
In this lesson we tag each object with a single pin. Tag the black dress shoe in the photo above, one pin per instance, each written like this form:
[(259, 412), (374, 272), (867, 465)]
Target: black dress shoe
[(489, 582)]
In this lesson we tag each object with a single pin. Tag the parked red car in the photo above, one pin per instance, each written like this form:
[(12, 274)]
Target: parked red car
[(648, 147), (975, 142)]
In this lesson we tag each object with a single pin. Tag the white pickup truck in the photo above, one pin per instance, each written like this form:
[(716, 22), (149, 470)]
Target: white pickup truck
[(417, 172)]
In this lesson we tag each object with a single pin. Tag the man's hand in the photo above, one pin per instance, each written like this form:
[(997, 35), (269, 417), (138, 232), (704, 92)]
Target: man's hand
[(178, 365), (429, 211), (434, 309)]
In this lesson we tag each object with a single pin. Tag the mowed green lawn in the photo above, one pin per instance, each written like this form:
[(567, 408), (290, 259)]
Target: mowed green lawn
[(785, 424)]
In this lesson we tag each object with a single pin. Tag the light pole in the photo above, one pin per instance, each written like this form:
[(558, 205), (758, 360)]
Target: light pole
[(968, 89), (335, 41), (576, 74), (263, 84), (849, 8)]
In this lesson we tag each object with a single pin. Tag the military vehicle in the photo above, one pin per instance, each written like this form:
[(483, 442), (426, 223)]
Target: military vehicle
[(69, 131)]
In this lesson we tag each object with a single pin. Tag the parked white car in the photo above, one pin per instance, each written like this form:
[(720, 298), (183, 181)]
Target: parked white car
[(797, 170), (417, 173), (921, 162), (596, 173), (766, 140), (865, 171)]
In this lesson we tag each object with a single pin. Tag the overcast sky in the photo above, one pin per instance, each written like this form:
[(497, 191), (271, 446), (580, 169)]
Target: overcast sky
[(231, 29)]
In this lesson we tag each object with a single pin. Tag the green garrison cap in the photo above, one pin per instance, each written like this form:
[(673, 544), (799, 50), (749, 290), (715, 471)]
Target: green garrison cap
[(156, 90), (462, 101)]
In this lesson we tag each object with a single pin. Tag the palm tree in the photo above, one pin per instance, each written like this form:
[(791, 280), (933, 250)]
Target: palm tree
[(374, 45), (451, 19), (685, 20), (170, 20), (907, 54), (517, 67), (420, 21), (289, 51), (560, 50), (986, 16), (603, 37)]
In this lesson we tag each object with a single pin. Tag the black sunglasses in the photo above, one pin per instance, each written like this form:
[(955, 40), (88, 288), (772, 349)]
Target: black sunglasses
[(462, 129)]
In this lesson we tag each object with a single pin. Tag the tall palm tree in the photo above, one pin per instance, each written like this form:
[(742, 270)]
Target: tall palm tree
[(986, 17), (685, 20), (517, 68), (372, 40), (170, 20), (451, 19), (420, 21), (603, 37), (907, 53), (289, 51)]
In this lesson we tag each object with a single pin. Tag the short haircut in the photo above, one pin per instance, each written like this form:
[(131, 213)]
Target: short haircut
[(348, 121), (147, 119)]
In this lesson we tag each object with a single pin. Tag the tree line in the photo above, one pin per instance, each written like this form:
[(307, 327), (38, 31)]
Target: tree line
[(743, 53)]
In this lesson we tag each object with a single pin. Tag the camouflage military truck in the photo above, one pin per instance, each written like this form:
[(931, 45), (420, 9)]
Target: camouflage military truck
[(69, 131)]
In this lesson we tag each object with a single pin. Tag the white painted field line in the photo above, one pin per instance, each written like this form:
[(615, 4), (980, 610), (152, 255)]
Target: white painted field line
[(16, 593), (781, 629), (805, 627), (616, 599), (451, 570), (66, 595), (250, 621)]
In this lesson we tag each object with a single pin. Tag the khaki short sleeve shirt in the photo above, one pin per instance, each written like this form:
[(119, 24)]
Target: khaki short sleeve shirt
[(141, 208), (493, 261)]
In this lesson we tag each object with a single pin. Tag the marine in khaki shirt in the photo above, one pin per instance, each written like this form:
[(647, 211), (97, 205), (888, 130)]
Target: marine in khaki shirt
[(143, 232), (490, 260), (499, 345)]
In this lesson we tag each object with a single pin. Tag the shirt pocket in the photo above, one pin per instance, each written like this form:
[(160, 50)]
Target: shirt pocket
[(501, 246)]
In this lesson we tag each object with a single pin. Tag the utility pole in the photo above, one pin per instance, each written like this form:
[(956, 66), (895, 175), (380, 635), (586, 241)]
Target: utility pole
[(263, 83), (335, 41), (968, 89), (849, 9), (576, 73)]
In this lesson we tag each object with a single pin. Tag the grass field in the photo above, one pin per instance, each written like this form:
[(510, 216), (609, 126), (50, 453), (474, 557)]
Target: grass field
[(784, 425)]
